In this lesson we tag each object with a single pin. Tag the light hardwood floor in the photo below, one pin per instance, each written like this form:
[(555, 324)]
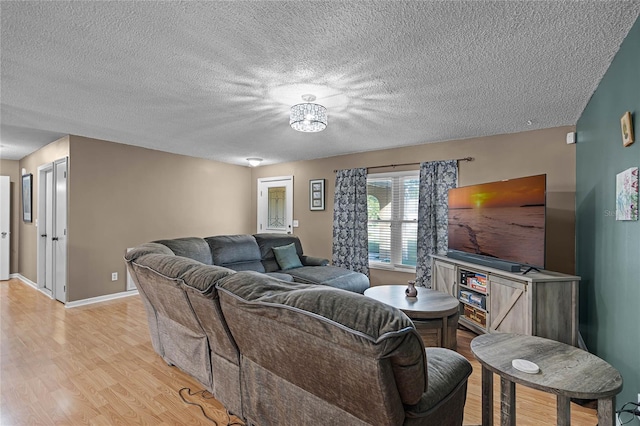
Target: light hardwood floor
[(95, 365)]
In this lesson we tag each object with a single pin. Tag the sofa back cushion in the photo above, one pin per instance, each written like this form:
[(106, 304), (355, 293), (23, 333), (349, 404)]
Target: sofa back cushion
[(237, 252), (192, 247), (347, 349), (266, 242)]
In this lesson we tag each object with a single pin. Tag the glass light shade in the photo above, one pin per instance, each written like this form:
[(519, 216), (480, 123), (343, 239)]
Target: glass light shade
[(254, 161), (308, 117)]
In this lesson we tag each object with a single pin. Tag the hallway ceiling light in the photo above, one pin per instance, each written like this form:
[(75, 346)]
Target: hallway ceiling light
[(254, 161), (308, 117)]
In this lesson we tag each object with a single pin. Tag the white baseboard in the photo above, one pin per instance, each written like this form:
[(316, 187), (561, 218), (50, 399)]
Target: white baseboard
[(24, 280), (76, 303), (27, 281), (99, 299)]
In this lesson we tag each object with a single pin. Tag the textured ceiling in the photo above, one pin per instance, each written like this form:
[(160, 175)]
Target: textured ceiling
[(216, 79)]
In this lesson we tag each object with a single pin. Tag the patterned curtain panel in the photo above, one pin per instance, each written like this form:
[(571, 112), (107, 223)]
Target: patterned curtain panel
[(350, 238), (436, 178)]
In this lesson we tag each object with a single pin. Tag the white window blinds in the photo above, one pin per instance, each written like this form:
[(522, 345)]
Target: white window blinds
[(392, 201)]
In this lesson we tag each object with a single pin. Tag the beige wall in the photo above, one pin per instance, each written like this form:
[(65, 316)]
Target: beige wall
[(28, 233), (121, 196), (496, 157), (11, 168)]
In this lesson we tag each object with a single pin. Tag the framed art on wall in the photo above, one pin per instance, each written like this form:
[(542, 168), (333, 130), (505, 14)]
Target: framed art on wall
[(627, 194), (627, 129), (316, 194), (27, 186)]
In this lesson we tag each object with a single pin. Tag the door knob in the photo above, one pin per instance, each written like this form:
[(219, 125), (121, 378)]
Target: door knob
[(4, 234)]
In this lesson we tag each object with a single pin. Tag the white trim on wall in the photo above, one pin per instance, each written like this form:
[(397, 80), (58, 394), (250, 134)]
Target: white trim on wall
[(99, 299), (26, 281), (76, 303)]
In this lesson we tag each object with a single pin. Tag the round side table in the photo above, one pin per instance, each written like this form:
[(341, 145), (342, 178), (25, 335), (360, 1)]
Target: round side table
[(434, 313)]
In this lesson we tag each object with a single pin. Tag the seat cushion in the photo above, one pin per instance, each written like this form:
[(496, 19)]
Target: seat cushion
[(192, 247), (446, 372), (280, 276), (287, 257), (331, 276)]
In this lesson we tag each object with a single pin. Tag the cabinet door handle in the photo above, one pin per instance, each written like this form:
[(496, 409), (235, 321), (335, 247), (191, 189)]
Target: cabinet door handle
[(54, 238)]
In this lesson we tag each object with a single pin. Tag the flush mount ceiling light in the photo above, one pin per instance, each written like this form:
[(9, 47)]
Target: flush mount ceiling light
[(308, 117), (254, 161)]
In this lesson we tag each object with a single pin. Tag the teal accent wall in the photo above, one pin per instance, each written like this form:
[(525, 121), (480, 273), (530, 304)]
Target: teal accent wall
[(608, 251)]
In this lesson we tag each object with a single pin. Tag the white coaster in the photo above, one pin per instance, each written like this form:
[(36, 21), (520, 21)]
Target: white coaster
[(525, 366)]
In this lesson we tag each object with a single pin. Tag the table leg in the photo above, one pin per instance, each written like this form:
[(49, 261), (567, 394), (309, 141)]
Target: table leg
[(487, 397), (563, 410), (445, 333), (507, 402), (605, 411)]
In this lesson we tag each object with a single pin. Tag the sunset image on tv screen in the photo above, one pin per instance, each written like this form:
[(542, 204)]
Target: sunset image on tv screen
[(504, 220)]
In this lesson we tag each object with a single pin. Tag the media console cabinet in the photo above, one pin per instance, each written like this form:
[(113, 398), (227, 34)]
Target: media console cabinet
[(543, 303)]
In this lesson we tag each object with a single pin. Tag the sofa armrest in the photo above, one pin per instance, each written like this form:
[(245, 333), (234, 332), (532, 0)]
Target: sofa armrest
[(313, 261)]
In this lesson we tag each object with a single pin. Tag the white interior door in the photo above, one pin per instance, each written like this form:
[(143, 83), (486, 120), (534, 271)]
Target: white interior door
[(275, 205), (5, 223)]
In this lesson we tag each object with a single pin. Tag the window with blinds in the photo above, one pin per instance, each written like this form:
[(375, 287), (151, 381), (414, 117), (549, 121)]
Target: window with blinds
[(392, 202)]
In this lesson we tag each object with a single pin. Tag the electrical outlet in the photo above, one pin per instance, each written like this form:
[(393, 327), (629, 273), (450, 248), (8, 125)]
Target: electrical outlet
[(114, 276)]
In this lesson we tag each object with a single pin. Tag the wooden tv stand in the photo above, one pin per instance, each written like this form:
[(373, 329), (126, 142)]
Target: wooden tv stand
[(540, 303)]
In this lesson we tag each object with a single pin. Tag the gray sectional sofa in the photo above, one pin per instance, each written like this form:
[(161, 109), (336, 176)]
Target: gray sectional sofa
[(287, 353), (255, 253)]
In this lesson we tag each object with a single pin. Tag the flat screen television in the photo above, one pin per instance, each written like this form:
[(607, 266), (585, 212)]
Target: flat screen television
[(502, 220)]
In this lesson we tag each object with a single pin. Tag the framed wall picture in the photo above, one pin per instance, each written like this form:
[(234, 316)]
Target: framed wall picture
[(627, 194), (27, 186), (316, 194), (627, 129)]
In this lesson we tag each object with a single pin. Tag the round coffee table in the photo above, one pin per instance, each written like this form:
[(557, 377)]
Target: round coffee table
[(434, 313)]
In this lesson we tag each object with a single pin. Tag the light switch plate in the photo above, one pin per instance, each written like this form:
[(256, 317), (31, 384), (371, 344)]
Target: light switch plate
[(571, 138)]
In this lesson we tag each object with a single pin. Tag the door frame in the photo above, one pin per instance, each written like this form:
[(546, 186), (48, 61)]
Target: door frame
[(41, 226), (5, 227), (58, 253), (61, 213), (263, 203)]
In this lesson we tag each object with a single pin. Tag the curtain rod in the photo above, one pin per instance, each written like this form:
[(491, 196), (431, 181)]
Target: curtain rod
[(409, 164)]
